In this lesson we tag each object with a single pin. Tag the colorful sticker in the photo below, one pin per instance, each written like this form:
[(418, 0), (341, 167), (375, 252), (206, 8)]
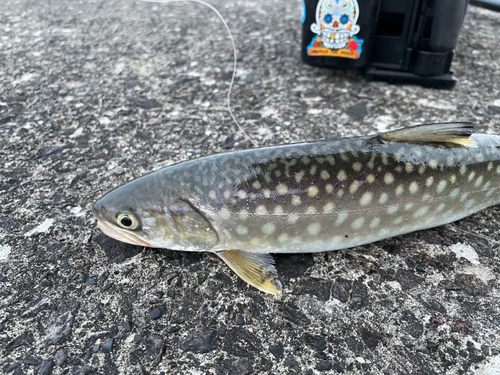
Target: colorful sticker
[(336, 28), (303, 12)]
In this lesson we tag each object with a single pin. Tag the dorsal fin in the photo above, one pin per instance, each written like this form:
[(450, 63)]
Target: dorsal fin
[(447, 132)]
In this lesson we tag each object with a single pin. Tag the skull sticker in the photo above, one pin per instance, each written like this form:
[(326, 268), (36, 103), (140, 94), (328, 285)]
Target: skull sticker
[(336, 28)]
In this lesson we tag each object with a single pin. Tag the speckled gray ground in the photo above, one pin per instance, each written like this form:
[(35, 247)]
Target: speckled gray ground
[(95, 93)]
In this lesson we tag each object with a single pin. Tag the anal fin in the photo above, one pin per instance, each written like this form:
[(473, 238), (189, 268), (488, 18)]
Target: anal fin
[(458, 133), (256, 269)]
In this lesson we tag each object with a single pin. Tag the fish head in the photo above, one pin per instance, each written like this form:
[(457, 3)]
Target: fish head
[(145, 212)]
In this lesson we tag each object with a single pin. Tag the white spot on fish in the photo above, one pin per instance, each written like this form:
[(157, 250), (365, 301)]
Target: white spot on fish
[(277, 173), (471, 176), (328, 208), (479, 158), (413, 187), (453, 178), (417, 151), (398, 220), (292, 218), (440, 207), (224, 213), (463, 169), (313, 169), (392, 209), (353, 188), (311, 211), (366, 198), (227, 194), (384, 197), (314, 228), (329, 188), (357, 166), (296, 200), (299, 176), (449, 161), (385, 161), (340, 193), (212, 194), (455, 192), (490, 166), (464, 197), (433, 163), (281, 189), (399, 190), (489, 193), (256, 185), (278, 210), (388, 178), (312, 191), (283, 238), (337, 239), (358, 223), (242, 194), (408, 206), (370, 178), (441, 186), (341, 218), (384, 231), (241, 230), (266, 193), (261, 210), (429, 181), (421, 211), (421, 169), (371, 163), (305, 160), (268, 228), (243, 214), (470, 203), (479, 181), (426, 197), (409, 167), (375, 222), (341, 175)]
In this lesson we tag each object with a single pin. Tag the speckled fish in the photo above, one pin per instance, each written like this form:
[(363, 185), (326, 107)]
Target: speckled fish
[(307, 197)]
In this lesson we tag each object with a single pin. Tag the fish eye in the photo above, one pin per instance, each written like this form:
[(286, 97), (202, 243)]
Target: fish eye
[(127, 220)]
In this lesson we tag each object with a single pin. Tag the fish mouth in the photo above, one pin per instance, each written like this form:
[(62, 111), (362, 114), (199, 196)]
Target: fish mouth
[(120, 235)]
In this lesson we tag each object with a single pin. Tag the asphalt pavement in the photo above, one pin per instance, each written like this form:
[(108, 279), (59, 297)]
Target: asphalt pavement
[(96, 93)]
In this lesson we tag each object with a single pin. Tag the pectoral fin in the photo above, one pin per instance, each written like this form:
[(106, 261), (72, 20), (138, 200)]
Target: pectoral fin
[(458, 133), (256, 269)]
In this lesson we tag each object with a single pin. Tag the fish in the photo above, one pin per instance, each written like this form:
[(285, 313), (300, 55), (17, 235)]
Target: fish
[(307, 197)]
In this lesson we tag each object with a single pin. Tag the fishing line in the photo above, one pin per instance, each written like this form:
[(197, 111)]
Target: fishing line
[(234, 55)]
